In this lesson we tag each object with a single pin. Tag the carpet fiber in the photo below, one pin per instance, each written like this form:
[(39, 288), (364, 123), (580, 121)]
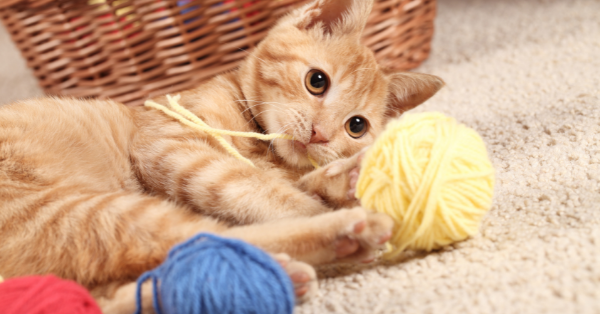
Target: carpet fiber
[(525, 74)]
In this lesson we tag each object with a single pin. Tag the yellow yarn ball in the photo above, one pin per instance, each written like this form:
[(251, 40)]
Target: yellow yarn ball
[(432, 175)]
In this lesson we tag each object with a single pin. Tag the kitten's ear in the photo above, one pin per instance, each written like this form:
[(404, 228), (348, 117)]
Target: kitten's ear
[(408, 90), (336, 17)]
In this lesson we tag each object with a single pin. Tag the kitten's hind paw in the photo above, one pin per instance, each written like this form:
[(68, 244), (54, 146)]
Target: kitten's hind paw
[(303, 276)]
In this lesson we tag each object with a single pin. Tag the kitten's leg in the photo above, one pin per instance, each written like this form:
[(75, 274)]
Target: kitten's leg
[(123, 300), (344, 235), (94, 238), (217, 184), (347, 235), (335, 183)]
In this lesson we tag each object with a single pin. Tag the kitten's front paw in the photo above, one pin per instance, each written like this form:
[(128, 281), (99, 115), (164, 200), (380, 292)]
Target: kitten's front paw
[(303, 276), (353, 176), (337, 181), (363, 236)]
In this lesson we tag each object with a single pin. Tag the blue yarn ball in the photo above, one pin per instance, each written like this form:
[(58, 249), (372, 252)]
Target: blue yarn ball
[(209, 274)]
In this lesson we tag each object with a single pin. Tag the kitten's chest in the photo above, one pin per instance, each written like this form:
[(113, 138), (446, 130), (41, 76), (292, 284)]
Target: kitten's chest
[(261, 153)]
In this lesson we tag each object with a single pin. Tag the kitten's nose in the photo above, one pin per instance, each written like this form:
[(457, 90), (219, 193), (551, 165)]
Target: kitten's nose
[(318, 136)]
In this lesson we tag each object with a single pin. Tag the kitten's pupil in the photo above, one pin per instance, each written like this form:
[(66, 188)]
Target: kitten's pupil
[(318, 80), (356, 126)]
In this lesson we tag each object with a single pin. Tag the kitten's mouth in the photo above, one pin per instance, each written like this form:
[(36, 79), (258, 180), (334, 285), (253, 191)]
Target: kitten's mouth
[(299, 146), (301, 153)]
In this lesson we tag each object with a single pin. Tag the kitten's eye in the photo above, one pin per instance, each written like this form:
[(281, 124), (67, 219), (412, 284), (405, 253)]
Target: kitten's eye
[(356, 126), (316, 82)]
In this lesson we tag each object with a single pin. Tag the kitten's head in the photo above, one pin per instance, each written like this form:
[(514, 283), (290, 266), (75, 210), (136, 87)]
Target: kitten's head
[(313, 79)]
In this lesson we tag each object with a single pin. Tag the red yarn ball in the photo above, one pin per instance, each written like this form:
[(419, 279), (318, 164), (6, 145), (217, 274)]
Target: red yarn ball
[(45, 295)]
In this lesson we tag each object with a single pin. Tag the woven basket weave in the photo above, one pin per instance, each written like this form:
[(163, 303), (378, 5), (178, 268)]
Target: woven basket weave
[(131, 50)]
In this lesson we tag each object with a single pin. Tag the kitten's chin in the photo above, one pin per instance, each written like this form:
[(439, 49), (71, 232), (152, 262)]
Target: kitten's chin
[(293, 153)]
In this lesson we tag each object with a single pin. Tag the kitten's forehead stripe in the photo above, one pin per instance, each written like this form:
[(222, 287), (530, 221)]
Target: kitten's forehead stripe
[(373, 87), (274, 68), (363, 78), (357, 61), (281, 57)]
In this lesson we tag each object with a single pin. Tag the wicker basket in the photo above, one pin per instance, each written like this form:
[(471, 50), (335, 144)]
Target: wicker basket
[(131, 50)]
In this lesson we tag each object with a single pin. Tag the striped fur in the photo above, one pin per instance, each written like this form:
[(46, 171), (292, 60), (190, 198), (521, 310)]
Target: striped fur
[(98, 192)]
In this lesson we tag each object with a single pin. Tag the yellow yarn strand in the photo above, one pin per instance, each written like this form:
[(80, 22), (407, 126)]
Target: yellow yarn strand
[(432, 176), (188, 118), (313, 162), (173, 102)]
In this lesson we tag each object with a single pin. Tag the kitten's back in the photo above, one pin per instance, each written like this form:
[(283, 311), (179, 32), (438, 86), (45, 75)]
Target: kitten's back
[(70, 203), (65, 141)]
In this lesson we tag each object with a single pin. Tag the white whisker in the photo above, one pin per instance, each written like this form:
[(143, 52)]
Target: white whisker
[(268, 110)]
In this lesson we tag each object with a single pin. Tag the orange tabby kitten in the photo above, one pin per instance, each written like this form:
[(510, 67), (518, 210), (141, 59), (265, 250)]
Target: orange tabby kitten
[(98, 192)]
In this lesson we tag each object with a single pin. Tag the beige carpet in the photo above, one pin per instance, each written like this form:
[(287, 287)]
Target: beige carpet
[(526, 74)]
